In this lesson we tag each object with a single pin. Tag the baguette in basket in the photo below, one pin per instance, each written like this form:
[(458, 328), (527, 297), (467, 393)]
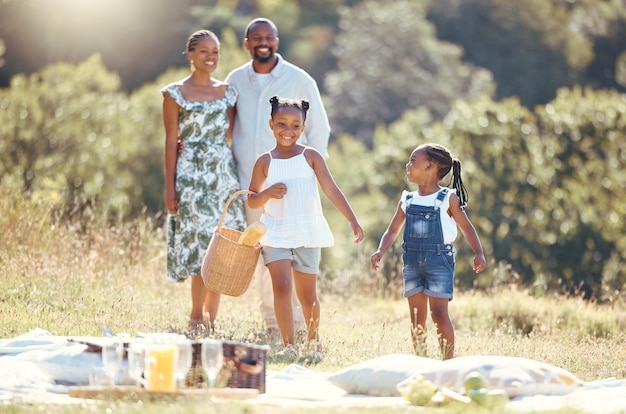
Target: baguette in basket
[(252, 234)]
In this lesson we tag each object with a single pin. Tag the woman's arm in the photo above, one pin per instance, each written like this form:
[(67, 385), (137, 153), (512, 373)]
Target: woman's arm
[(231, 124), (170, 121)]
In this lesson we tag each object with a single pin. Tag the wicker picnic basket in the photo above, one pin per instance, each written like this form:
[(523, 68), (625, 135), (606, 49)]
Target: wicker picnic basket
[(244, 366), (228, 266)]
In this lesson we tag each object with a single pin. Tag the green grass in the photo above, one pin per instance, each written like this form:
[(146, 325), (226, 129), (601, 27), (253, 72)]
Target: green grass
[(72, 279)]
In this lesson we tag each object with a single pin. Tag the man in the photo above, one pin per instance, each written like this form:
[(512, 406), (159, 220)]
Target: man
[(267, 74)]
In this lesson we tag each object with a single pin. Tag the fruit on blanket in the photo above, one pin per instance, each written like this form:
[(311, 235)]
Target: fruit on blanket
[(419, 391), (453, 396), (479, 395), (497, 398), (445, 396), (475, 381), (252, 234), (438, 399)]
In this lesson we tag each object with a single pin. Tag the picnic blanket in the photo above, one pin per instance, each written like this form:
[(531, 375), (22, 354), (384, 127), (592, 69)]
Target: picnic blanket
[(38, 367)]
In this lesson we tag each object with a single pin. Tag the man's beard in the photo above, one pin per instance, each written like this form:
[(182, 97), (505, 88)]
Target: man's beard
[(264, 59)]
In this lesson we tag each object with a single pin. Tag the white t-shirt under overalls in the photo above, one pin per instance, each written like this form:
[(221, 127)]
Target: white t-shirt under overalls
[(448, 225)]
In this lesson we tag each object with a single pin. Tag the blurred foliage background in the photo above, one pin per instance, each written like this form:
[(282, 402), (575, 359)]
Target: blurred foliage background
[(530, 95)]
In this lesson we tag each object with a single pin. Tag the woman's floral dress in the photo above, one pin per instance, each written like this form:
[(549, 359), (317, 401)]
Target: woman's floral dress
[(205, 178)]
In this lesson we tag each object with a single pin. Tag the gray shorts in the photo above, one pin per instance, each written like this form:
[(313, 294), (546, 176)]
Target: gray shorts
[(303, 259)]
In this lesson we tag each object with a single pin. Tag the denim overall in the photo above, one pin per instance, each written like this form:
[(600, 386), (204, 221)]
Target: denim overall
[(428, 262)]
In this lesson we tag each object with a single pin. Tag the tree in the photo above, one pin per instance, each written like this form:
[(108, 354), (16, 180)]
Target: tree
[(585, 146), (534, 47), (71, 135), (605, 23), (60, 135), (389, 61)]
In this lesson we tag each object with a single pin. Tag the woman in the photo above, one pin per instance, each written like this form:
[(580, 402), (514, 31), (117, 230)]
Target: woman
[(200, 172)]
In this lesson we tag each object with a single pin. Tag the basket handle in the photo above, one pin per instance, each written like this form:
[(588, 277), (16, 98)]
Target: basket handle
[(232, 197)]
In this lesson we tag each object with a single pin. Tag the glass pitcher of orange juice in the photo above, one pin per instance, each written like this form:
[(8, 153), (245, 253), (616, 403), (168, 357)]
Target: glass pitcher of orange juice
[(161, 353)]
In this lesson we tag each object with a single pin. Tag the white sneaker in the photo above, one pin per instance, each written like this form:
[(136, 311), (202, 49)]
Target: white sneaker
[(288, 354)]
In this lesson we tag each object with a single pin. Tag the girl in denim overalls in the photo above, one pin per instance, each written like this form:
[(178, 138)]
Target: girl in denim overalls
[(430, 217)]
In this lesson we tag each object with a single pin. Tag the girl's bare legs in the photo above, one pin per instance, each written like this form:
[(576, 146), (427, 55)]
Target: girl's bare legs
[(418, 307), (202, 300), (306, 288), (445, 330), (282, 280)]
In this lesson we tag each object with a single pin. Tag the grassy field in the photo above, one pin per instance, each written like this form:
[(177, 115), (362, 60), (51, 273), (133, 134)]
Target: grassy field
[(72, 279)]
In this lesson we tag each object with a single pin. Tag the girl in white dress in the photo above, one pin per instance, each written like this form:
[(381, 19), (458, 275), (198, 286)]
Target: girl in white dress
[(284, 182)]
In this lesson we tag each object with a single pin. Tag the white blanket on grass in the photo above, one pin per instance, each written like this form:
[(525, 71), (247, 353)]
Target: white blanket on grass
[(38, 367), (301, 387)]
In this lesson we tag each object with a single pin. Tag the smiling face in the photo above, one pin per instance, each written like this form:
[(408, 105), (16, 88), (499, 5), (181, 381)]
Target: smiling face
[(205, 54), (262, 42), (287, 124)]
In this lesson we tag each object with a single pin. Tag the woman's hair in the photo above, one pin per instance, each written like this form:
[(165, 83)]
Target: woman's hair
[(278, 102), (197, 36), (442, 156)]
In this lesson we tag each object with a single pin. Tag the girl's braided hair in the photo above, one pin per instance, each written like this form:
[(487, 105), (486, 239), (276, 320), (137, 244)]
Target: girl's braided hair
[(278, 102), (442, 156)]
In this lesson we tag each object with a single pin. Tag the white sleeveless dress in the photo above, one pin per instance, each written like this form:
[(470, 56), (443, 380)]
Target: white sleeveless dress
[(296, 220)]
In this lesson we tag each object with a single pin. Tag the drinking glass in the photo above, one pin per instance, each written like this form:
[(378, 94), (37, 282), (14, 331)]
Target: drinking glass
[(184, 360), (136, 361), (212, 357), (161, 355), (112, 353)]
